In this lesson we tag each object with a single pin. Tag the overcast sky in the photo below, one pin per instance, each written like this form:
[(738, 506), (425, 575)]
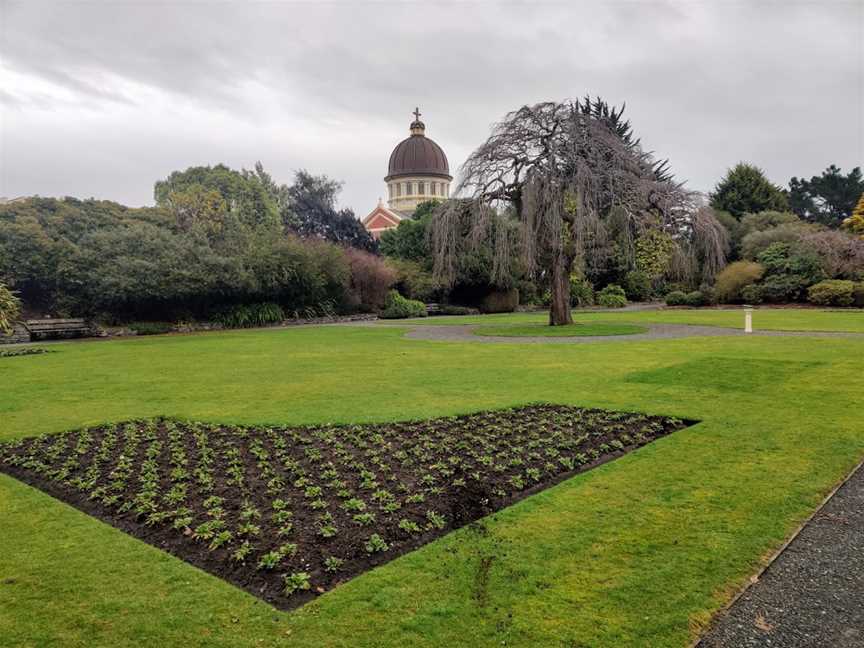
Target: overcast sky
[(103, 98)]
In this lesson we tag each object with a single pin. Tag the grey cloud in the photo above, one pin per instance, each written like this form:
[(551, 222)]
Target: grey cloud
[(706, 84)]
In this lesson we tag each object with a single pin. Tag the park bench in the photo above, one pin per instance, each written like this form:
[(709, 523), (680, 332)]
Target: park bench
[(433, 309), (57, 328)]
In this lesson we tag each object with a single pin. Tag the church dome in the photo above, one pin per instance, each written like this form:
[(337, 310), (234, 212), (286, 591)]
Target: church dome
[(418, 155)]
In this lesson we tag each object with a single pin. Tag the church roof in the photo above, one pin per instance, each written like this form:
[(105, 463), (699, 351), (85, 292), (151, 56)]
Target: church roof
[(418, 155), (383, 214)]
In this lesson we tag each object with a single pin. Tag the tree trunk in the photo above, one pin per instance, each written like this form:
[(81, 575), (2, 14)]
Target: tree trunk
[(559, 310)]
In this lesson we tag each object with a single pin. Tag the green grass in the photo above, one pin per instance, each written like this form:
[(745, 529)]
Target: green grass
[(638, 552), (771, 319), (568, 330)]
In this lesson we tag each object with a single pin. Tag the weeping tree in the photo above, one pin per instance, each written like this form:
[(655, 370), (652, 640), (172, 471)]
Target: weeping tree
[(573, 176)]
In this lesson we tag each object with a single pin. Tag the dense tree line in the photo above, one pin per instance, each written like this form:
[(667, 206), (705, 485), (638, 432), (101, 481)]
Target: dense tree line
[(217, 237)]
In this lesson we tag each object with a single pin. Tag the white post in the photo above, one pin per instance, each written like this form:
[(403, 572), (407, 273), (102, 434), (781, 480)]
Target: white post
[(748, 319)]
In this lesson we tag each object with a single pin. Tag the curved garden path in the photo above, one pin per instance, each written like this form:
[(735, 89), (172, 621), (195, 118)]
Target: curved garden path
[(465, 333)]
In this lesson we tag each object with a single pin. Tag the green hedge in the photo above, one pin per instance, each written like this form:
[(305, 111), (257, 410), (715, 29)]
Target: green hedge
[(397, 307), (612, 296), (832, 292)]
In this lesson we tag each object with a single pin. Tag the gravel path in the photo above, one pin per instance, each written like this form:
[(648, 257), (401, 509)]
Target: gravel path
[(812, 595), (464, 333)]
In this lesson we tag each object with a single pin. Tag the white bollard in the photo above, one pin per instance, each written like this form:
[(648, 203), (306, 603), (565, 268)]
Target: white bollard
[(748, 319)]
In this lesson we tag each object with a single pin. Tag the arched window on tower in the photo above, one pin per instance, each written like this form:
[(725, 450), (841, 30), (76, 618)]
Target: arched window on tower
[(407, 188), (390, 191), (433, 188), (421, 188), (398, 189)]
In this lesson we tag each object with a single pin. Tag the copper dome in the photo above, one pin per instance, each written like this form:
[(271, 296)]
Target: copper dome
[(418, 155)]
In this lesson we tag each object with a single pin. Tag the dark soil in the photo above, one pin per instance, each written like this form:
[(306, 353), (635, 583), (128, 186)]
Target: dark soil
[(288, 513)]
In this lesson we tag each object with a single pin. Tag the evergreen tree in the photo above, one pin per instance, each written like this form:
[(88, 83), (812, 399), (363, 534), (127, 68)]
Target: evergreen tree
[(745, 190), (828, 198)]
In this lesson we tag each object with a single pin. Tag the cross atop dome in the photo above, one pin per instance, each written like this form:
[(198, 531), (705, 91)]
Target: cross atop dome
[(417, 126)]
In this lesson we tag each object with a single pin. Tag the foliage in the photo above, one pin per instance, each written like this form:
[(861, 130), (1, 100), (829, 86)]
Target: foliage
[(371, 279), (841, 255), (612, 296), (676, 298), (23, 351), (99, 258), (787, 259), (207, 194), (571, 173), (500, 301), (694, 298), (755, 242), (766, 220), (734, 278), (855, 222), (734, 230), (151, 328), (653, 251), (409, 239), (581, 291), (451, 309), (638, 285), (858, 294), (832, 292), (789, 270), (251, 315), (397, 307), (828, 198), (10, 309), (745, 190), (313, 213), (413, 281), (752, 294)]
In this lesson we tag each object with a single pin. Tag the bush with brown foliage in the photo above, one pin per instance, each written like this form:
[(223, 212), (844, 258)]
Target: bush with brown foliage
[(734, 278), (371, 279)]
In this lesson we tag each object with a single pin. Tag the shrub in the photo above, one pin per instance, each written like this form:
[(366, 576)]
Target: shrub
[(754, 243), (413, 281), (734, 278), (752, 294), (858, 294), (371, 279), (841, 255), (500, 301), (637, 285), (694, 298), (612, 296), (397, 307), (151, 328), (832, 292), (251, 315), (10, 308), (530, 294), (581, 291), (780, 289), (676, 298), (452, 309)]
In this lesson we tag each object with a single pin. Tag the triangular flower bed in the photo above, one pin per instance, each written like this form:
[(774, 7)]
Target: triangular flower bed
[(290, 512)]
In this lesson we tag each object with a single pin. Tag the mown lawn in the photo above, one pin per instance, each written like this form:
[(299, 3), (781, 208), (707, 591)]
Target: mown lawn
[(542, 329), (638, 552), (770, 319)]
